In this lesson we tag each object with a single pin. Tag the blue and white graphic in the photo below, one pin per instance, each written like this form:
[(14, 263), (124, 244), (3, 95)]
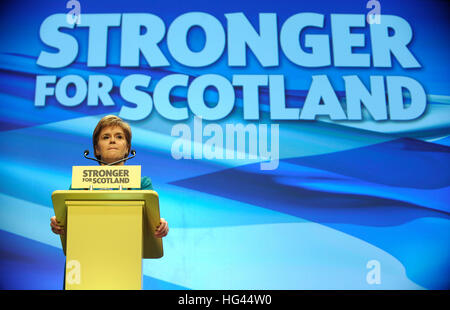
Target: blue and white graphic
[(342, 181)]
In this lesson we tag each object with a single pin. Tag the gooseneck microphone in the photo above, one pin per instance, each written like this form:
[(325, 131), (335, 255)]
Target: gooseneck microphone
[(86, 153), (133, 153)]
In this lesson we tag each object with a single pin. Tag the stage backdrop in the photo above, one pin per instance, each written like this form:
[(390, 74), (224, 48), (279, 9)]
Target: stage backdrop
[(293, 144)]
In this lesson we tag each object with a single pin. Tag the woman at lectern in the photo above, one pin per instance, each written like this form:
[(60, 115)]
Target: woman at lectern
[(112, 142)]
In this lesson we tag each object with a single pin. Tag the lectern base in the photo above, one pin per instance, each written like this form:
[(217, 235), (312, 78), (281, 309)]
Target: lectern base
[(104, 245)]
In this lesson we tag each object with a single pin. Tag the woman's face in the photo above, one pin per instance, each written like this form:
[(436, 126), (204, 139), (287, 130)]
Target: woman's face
[(112, 144)]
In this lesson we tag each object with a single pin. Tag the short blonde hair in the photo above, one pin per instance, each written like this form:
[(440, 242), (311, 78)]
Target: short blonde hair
[(111, 121)]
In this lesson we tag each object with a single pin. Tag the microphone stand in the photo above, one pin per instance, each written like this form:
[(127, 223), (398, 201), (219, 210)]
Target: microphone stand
[(86, 153), (133, 153)]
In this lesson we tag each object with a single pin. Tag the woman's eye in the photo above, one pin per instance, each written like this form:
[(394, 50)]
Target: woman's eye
[(105, 137), (119, 137)]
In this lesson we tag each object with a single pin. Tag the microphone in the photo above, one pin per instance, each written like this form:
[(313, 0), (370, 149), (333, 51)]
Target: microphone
[(133, 153), (86, 153)]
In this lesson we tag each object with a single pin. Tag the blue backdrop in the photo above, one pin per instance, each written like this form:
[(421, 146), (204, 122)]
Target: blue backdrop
[(345, 193)]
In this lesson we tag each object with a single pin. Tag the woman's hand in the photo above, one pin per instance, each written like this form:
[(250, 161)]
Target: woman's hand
[(59, 230), (162, 229)]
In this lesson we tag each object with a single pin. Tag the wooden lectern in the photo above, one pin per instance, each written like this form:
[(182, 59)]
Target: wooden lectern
[(108, 233)]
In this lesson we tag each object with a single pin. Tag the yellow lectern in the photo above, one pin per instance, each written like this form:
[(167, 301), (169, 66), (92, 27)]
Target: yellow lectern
[(108, 233)]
